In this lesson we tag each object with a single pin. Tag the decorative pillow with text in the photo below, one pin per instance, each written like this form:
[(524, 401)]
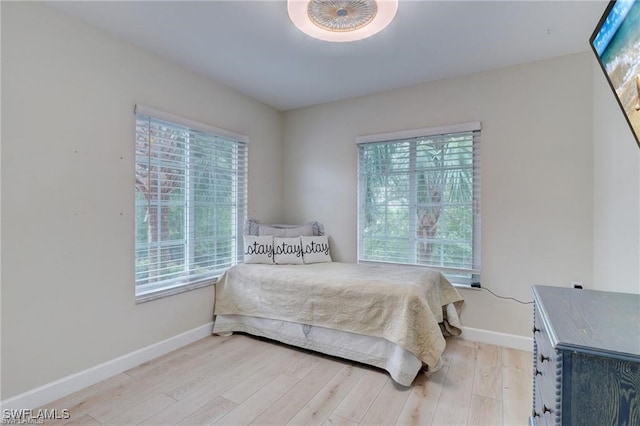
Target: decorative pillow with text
[(315, 249), (258, 249), (287, 251)]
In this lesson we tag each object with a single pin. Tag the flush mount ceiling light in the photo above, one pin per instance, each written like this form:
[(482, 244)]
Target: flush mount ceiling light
[(341, 20)]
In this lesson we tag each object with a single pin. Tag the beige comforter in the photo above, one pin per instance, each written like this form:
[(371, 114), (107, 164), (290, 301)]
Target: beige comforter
[(403, 304)]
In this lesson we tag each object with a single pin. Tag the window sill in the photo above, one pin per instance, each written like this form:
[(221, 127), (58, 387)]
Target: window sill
[(465, 286), (161, 294)]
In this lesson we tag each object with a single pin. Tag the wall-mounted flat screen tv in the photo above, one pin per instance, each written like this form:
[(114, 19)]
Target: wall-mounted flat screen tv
[(616, 43)]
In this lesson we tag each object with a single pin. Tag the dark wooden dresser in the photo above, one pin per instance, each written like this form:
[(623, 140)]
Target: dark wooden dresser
[(586, 357)]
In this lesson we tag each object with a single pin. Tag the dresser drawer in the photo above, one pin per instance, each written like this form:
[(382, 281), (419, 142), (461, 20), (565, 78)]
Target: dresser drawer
[(544, 404), (537, 415), (547, 374)]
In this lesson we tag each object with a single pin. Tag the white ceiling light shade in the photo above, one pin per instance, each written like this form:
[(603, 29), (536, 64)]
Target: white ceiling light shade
[(341, 20)]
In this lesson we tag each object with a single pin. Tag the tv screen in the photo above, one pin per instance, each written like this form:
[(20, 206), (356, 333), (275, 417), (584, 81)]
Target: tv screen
[(616, 43)]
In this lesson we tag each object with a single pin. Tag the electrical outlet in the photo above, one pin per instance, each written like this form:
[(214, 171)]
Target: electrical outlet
[(577, 284)]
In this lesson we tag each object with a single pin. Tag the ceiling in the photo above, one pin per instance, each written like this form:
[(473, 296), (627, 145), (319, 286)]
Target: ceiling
[(253, 47)]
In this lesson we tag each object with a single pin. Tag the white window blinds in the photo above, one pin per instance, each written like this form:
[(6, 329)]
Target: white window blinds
[(419, 199), (190, 197)]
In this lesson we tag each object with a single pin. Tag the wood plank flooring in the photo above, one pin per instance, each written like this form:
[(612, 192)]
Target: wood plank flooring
[(239, 380)]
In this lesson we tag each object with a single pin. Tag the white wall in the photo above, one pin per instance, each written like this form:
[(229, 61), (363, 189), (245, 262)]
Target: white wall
[(616, 228), (68, 93), (537, 173)]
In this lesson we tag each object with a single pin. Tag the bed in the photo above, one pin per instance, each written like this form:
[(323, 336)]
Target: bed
[(391, 317), (289, 290)]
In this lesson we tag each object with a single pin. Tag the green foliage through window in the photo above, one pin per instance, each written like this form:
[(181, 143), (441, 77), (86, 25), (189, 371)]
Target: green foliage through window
[(419, 201), (190, 203)]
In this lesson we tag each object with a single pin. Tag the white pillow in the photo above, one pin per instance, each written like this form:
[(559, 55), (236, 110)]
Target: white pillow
[(315, 249), (285, 231), (258, 249), (287, 251)]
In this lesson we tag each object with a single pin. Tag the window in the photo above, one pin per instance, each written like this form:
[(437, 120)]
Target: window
[(419, 199), (190, 199)]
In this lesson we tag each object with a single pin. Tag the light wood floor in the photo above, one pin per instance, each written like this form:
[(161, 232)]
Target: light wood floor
[(243, 380)]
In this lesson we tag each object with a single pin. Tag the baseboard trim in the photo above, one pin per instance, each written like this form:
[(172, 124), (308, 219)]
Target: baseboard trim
[(496, 338), (45, 394)]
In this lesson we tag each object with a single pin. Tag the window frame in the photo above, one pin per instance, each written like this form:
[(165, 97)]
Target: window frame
[(167, 287), (458, 276)]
